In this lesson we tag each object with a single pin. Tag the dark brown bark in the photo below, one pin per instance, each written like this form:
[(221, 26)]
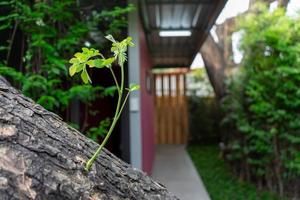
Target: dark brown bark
[(283, 3), (214, 62), (41, 157), (218, 56)]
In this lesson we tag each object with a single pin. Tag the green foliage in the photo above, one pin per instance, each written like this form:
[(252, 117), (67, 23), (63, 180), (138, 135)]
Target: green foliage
[(115, 18), (198, 83), (100, 131), (89, 58), (204, 120), (50, 32), (264, 101), (82, 60), (218, 179), (134, 87), (119, 48)]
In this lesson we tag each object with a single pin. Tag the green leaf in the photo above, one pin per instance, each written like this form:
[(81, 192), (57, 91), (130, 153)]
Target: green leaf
[(80, 67), (134, 87), (73, 60), (108, 62), (48, 102), (91, 63), (85, 77), (5, 3), (85, 50), (129, 41), (99, 63), (81, 57), (78, 55), (3, 18), (110, 91), (72, 69), (111, 38)]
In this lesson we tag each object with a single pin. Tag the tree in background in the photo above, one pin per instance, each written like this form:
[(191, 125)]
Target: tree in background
[(263, 102), (218, 55)]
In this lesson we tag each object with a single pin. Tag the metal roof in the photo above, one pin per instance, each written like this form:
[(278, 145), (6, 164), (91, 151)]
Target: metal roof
[(197, 16)]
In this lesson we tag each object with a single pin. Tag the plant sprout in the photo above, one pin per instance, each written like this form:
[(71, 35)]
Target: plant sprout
[(93, 59)]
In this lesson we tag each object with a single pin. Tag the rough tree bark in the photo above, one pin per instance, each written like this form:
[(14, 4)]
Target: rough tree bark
[(218, 56), (41, 157), (283, 3), (215, 65)]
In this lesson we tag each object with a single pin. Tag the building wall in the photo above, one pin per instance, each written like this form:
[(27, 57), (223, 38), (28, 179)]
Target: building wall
[(147, 106), (135, 130)]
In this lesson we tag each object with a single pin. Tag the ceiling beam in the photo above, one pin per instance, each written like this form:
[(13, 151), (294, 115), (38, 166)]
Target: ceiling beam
[(208, 25), (149, 2)]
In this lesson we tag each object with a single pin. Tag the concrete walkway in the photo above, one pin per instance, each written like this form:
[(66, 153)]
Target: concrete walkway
[(174, 169)]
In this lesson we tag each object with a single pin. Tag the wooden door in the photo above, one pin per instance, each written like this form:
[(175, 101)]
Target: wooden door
[(171, 115)]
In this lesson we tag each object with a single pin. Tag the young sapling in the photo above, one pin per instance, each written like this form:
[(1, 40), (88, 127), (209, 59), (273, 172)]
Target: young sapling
[(93, 59)]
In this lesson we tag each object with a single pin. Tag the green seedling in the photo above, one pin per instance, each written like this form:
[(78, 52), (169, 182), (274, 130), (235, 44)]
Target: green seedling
[(92, 58)]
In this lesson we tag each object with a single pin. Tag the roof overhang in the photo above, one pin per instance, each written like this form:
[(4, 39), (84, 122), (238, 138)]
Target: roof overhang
[(196, 16)]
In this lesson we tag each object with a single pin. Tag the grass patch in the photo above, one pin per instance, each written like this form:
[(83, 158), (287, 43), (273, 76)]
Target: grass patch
[(220, 183)]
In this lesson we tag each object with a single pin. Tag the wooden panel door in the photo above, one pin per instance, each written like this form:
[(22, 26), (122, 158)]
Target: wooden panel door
[(171, 114)]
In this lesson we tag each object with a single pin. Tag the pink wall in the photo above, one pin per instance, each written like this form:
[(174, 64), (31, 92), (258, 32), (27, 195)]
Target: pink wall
[(147, 106)]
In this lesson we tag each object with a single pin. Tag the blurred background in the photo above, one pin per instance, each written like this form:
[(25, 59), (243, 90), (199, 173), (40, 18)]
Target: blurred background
[(217, 116)]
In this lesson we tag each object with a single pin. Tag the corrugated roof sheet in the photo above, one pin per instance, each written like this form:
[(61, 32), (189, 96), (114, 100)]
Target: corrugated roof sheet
[(195, 15)]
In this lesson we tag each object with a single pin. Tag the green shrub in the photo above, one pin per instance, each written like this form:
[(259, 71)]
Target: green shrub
[(42, 36), (204, 118), (263, 102)]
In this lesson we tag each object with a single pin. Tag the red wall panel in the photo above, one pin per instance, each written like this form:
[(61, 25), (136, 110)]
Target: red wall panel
[(147, 106)]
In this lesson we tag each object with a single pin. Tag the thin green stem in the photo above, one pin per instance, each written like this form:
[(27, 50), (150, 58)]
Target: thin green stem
[(116, 81), (113, 74), (124, 102), (116, 117)]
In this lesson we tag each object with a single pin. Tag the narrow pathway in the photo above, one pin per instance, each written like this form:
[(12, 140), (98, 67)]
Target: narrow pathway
[(174, 169)]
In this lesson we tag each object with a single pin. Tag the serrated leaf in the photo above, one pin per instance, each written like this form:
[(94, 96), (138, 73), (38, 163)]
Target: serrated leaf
[(72, 70), (134, 87), (129, 41), (110, 38)]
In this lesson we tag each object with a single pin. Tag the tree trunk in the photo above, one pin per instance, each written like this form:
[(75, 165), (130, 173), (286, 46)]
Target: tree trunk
[(215, 65), (283, 3), (41, 157), (218, 56)]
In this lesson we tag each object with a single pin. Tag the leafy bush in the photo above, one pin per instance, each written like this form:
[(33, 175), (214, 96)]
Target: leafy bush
[(204, 118), (263, 104), (204, 112), (42, 36)]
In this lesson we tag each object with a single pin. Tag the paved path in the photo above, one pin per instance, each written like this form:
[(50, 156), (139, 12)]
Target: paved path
[(174, 169)]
